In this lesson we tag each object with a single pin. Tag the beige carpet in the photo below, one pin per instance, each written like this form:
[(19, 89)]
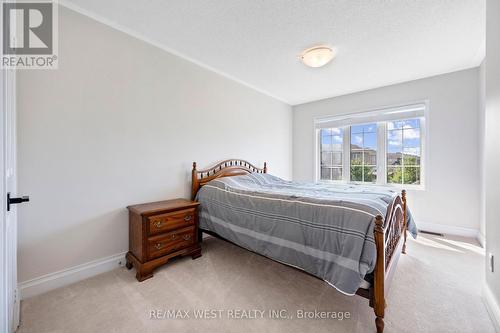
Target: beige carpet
[(436, 289)]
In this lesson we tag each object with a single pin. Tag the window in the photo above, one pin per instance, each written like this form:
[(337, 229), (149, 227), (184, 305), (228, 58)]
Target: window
[(364, 153), (378, 147), (331, 153), (403, 152)]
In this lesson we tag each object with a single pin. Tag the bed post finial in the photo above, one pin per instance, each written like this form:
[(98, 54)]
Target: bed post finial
[(403, 198), (265, 167), (194, 182)]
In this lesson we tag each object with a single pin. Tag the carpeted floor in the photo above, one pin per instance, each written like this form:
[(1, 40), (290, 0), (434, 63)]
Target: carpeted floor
[(436, 288)]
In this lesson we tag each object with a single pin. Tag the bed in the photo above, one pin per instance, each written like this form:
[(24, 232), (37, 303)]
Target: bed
[(350, 236)]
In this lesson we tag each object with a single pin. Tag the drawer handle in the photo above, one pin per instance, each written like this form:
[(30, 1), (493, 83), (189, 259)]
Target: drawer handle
[(159, 246), (174, 236), (158, 224), (187, 218), (186, 237)]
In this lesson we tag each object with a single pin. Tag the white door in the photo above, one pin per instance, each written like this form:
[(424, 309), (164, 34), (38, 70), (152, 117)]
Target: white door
[(10, 299)]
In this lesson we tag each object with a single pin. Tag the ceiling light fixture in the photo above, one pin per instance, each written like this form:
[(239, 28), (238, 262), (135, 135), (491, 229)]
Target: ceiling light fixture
[(317, 56)]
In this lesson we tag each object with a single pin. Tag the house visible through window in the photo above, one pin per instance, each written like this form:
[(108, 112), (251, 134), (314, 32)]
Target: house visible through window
[(364, 153), (331, 153), (379, 147), (403, 152)]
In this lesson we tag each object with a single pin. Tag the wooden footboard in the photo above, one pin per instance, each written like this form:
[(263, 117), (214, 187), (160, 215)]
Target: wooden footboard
[(390, 240)]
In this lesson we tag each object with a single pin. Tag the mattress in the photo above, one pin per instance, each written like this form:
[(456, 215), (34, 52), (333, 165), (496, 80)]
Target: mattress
[(324, 230)]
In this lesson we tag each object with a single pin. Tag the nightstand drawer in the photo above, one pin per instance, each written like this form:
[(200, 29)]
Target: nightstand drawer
[(171, 242), (161, 223)]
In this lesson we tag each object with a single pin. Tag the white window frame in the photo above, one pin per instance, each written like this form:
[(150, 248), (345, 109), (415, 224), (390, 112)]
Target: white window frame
[(371, 117)]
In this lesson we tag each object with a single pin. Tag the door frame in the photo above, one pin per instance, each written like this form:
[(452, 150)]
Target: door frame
[(4, 308), (9, 317)]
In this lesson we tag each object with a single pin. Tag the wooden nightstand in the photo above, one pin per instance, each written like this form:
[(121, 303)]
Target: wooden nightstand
[(159, 231)]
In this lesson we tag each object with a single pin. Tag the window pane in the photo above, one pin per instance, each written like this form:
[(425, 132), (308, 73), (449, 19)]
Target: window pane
[(337, 174), (370, 157), (326, 159), (394, 159), (326, 143), (370, 174), (394, 125), (337, 159), (326, 132), (337, 141), (331, 147), (411, 175), (337, 131), (394, 175), (356, 157), (356, 173), (411, 156), (412, 151), (325, 174), (366, 128), (326, 140), (411, 123), (370, 128), (356, 141), (370, 141), (411, 137), (394, 140), (356, 129)]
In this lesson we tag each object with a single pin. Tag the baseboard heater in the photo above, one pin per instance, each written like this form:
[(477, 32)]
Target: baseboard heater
[(431, 233)]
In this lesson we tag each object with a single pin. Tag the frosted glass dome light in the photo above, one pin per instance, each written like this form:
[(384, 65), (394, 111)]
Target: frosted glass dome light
[(317, 56)]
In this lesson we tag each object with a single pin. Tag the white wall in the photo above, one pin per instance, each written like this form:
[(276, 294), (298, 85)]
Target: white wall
[(492, 155), (451, 196), (120, 122)]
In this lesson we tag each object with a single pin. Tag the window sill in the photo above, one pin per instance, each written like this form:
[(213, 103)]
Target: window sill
[(408, 187)]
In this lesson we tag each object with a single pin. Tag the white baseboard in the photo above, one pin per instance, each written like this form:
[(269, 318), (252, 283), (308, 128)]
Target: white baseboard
[(492, 306), (45, 283), (448, 229)]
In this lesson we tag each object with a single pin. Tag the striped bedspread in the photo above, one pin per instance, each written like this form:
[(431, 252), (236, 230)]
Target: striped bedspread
[(322, 229)]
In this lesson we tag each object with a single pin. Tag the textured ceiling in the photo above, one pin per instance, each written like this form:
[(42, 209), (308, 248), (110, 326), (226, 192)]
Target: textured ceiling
[(257, 41)]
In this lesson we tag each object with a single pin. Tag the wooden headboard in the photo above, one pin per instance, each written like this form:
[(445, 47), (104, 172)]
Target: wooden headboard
[(227, 168)]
